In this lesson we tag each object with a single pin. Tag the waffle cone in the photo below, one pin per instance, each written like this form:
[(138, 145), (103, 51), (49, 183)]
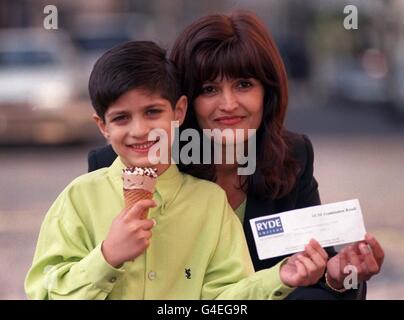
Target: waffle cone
[(135, 195)]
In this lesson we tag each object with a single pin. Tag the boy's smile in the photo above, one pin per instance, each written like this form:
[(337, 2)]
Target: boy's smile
[(142, 147), (130, 119)]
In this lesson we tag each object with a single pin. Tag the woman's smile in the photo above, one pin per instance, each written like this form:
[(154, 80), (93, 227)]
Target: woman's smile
[(229, 120)]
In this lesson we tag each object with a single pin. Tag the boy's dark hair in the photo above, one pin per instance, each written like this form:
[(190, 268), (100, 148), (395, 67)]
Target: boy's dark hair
[(128, 66)]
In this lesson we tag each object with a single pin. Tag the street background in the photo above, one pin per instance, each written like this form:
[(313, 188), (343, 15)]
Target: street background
[(346, 94)]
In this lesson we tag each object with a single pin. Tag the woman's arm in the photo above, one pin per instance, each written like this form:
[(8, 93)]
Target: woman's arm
[(308, 195)]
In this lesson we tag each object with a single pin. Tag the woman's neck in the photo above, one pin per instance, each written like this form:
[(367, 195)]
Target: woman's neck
[(226, 170), (229, 180)]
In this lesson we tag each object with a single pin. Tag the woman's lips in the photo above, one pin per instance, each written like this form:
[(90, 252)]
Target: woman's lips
[(229, 120)]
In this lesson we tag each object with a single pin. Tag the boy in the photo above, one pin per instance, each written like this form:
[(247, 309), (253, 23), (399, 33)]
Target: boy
[(90, 247)]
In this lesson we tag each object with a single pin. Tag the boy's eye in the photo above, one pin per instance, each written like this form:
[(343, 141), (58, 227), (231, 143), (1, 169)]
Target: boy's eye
[(120, 118), (153, 112), (208, 89)]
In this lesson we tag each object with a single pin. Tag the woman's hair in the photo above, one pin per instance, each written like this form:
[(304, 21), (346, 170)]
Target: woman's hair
[(239, 46)]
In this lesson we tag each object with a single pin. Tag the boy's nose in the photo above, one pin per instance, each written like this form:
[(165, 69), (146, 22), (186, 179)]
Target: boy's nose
[(138, 129)]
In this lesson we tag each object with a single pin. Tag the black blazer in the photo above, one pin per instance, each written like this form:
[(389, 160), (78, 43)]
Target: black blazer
[(304, 194)]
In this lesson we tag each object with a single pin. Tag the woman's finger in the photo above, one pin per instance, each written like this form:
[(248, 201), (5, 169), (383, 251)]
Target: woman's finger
[(354, 260), (343, 261), (376, 248), (369, 260)]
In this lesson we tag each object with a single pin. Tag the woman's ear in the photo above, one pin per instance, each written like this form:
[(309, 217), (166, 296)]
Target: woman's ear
[(101, 125), (181, 109)]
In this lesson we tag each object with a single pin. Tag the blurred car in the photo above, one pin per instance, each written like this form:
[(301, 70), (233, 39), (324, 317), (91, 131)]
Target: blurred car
[(362, 80), (398, 83), (94, 34), (373, 79), (38, 90)]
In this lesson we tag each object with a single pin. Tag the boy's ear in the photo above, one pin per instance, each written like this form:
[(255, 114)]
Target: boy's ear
[(101, 125), (181, 109)]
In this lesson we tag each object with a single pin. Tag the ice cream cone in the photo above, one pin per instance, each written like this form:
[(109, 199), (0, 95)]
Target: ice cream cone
[(138, 184), (135, 195)]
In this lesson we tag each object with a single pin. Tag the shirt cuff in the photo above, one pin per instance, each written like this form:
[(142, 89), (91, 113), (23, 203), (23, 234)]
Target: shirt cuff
[(271, 282), (99, 271)]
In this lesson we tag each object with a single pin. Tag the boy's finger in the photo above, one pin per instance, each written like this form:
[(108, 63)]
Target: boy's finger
[(146, 234), (308, 263), (139, 208), (301, 271), (317, 246), (315, 256), (147, 224)]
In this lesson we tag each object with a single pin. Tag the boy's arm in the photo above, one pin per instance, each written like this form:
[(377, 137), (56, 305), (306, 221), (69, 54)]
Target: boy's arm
[(230, 274), (67, 265)]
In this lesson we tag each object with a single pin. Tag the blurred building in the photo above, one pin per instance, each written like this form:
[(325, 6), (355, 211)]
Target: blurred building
[(324, 61)]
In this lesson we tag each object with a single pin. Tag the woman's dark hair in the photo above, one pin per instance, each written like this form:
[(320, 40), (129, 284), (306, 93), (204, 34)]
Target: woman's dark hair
[(132, 65), (240, 46)]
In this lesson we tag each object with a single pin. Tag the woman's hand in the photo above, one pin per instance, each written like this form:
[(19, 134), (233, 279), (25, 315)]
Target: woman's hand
[(129, 235), (367, 261), (305, 268)]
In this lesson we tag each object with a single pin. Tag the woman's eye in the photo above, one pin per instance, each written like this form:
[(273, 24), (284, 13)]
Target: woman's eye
[(208, 89), (244, 84)]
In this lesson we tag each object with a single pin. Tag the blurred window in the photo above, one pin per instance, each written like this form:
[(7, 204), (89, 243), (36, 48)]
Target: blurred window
[(100, 43), (26, 58)]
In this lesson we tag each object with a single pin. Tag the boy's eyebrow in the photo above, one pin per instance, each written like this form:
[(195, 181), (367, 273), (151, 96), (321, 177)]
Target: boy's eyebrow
[(114, 113), (151, 105)]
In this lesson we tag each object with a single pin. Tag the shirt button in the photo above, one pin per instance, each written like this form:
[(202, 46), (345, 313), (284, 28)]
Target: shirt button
[(278, 293), (112, 279), (152, 275)]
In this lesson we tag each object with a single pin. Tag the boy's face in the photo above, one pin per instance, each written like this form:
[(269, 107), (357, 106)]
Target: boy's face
[(129, 120)]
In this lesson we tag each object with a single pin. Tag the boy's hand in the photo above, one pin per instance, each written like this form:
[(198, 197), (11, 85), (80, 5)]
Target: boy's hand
[(305, 268), (129, 235)]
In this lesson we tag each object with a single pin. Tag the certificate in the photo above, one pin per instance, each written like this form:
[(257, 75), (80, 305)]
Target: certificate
[(287, 232)]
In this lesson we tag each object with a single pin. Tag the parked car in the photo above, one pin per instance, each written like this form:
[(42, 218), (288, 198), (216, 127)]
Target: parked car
[(38, 91), (373, 79)]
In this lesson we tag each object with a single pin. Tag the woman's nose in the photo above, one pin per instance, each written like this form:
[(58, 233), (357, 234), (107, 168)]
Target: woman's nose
[(228, 101)]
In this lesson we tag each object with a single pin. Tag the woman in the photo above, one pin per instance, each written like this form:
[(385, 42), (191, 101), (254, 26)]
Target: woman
[(234, 78)]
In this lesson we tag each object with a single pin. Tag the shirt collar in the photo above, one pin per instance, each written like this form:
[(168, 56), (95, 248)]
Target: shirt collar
[(167, 187)]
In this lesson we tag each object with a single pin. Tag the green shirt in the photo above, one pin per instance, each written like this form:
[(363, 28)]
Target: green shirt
[(240, 211), (197, 251)]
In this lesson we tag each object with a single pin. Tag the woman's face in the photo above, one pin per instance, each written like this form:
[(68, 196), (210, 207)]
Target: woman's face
[(230, 104)]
